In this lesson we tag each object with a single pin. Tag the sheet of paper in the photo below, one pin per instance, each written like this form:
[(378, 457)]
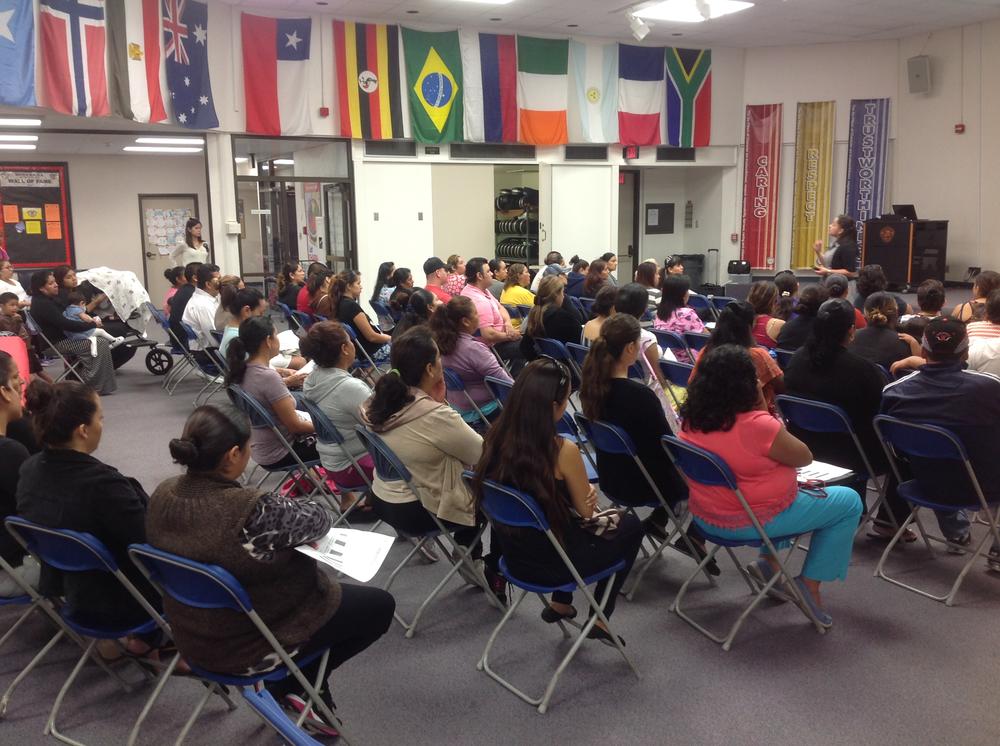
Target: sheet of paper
[(31, 213), (52, 213), (358, 554), (10, 214), (304, 416), (53, 231), (307, 368), (822, 471), (289, 341), (33, 226)]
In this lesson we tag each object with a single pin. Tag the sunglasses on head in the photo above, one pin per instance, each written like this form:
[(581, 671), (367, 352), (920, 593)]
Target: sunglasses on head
[(563, 378)]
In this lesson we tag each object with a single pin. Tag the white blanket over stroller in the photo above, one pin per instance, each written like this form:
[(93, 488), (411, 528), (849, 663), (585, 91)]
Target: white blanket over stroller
[(125, 293)]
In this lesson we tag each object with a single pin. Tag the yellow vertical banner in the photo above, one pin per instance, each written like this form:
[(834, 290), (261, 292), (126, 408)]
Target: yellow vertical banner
[(813, 176)]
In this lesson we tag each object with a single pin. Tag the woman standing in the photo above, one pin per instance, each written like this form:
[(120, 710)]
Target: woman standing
[(725, 413), (597, 277), (763, 296), (290, 282), (344, 296), (10, 284), (192, 249), (455, 282), (975, 310), (842, 257), (383, 283), (208, 516), (524, 451), (548, 318)]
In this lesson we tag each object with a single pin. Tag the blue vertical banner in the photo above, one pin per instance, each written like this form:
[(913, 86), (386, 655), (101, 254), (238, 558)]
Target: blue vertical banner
[(867, 156)]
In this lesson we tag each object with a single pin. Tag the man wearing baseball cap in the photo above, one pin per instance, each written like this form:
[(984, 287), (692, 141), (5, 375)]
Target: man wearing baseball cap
[(942, 391), (437, 271)]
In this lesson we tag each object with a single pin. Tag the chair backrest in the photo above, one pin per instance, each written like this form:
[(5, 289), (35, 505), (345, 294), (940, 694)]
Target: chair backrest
[(577, 352), (523, 311), (387, 464), (303, 320), (676, 373), (69, 551), (248, 405), (191, 583), (813, 416), (326, 432), (509, 507), (699, 465), (784, 357), (216, 335), (696, 340), (886, 375), (453, 381), (579, 308), (699, 302), (919, 440), (636, 372), (552, 348), (30, 325), (670, 340), (499, 388), (721, 301), (607, 437), (513, 310), (587, 304), (157, 315), (285, 310)]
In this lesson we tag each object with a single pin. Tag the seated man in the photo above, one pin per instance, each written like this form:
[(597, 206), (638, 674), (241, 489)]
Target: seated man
[(943, 392), (199, 313), (436, 272), (494, 322)]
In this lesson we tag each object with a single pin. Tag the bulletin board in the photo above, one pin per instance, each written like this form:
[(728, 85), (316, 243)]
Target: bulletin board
[(35, 222), (163, 218)]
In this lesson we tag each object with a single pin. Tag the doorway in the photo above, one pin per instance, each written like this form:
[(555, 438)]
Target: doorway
[(628, 224), (162, 219)]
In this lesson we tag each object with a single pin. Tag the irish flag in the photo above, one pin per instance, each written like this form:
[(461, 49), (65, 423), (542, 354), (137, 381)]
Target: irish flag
[(542, 90)]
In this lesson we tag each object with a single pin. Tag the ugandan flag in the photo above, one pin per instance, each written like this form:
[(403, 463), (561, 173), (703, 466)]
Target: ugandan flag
[(434, 85), (367, 71)]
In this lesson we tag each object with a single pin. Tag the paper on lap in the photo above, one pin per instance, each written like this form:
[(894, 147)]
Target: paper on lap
[(358, 554), (822, 471), (289, 342)]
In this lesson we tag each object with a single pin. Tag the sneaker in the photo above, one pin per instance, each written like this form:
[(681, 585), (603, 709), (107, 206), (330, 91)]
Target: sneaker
[(428, 552), (314, 722), (468, 575), (993, 559), (116, 342), (957, 545)]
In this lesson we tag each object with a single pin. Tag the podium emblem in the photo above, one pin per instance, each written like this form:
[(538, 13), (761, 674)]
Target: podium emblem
[(887, 233)]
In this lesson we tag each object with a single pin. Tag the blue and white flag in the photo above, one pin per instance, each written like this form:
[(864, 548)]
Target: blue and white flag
[(867, 151), (185, 47), (17, 53), (593, 103)]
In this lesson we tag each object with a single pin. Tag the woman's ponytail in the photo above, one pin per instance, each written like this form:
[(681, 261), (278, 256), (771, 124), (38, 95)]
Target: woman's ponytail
[(616, 334), (254, 332), (411, 353)]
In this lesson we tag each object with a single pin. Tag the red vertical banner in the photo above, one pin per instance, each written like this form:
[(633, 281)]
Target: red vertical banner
[(761, 169)]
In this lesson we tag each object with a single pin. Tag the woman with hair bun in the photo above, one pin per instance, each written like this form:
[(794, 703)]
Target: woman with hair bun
[(795, 332), (208, 516), (417, 310), (175, 276), (879, 342)]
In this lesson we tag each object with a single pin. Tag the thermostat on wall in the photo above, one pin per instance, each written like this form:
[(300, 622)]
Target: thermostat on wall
[(232, 227)]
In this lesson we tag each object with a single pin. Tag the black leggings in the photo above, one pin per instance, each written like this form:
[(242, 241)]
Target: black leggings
[(306, 451), (364, 615)]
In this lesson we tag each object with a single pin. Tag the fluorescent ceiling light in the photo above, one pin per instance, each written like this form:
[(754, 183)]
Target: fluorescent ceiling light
[(283, 162), (16, 146), (18, 138), (487, 2), (240, 159), (19, 122), (158, 149), (171, 140), (691, 11)]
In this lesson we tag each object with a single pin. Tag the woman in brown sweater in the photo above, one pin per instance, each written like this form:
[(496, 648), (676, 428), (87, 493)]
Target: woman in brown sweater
[(208, 516)]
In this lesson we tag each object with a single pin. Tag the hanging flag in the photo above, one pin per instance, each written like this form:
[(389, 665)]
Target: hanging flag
[(185, 46), (71, 37), (867, 151), (593, 79), (814, 125), (135, 65), (761, 168), (434, 80), (368, 80), (542, 90), (689, 97), (17, 53), (641, 89), (275, 74), (489, 62)]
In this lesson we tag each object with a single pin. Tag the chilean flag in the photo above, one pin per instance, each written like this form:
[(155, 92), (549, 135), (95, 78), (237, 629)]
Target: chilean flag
[(73, 40), (641, 92), (275, 74)]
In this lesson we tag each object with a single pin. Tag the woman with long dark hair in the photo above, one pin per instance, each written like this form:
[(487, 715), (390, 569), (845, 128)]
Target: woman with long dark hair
[(548, 318), (419, 307), (597, 277), (402, 278), (318, 287), (788, 292), (12, 455), (290, 281), (175, 276), (611, 259), (725, 413), (248, 357), (795, 332), (344, 295), (602, 310), (763, 296), (842, 257), (383, 282), (304, 299), (673, 313), (524, 451), (192, 248), (880, 342), (647, 274), (975, 310), (207, 515)]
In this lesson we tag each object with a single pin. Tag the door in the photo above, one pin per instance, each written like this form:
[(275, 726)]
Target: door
[(162, 218), (628, 223), (335, 240)]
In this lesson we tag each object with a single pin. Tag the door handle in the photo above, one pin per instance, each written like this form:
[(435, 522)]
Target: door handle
[(150, 255)]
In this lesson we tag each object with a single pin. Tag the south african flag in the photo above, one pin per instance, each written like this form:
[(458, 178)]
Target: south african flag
[(689, 97)]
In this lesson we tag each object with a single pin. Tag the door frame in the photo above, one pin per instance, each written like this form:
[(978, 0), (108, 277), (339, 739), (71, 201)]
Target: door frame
[(348, 195), (142, 232), (636, 208)]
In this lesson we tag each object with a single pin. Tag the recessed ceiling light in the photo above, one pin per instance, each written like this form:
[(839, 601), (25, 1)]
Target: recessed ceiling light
[(691, 11), (283, 162), (322, 2), (159, 149), (170, 140), (17, 146), (20, 122), (487, 2), (18, 138)]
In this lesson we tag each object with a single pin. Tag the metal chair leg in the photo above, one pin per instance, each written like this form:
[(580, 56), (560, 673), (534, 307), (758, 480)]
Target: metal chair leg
[(50, 725), (5, 700)]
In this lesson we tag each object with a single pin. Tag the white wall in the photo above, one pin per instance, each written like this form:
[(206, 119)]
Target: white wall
[(462, 205), (584, 211), (656, 185)]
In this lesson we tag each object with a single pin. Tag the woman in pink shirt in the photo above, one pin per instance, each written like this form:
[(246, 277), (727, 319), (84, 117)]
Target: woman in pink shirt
[(673, 313), (725, 413)]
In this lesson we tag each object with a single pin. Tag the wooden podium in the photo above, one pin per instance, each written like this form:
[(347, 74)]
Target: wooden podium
[(910, 251)]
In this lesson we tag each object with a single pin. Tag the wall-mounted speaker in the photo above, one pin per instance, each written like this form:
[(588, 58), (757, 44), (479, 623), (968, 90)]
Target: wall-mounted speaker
[(918, 74)]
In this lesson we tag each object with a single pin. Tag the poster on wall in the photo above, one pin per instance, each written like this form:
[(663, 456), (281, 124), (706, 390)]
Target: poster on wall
[(867, 155), (814, 125), (761, 168), (313, 204), (164, 227), (34, 203)]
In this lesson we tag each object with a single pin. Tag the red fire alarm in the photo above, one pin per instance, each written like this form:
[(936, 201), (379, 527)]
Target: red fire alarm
[(734, 237), (630, 152), (324, 111), (959, 129), (621, 178)]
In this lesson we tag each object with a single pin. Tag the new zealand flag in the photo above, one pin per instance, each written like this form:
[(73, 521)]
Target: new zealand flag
[(185, 47)]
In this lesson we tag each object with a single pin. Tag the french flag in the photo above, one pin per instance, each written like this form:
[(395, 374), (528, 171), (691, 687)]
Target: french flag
[(73, 40), (275, 74), (641, 92)]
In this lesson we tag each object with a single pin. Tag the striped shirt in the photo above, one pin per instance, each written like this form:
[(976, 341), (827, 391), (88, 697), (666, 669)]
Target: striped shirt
[(982, 330)]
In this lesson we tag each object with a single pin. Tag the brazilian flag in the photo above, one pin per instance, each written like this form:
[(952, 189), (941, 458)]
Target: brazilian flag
[(434, 84)]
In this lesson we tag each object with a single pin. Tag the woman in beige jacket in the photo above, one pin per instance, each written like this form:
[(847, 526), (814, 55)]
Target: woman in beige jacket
[(408, 410)]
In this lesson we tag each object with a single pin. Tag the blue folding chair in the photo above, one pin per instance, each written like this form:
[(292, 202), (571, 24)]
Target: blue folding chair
[(203, 586), (783, 357), (523, 311), (587, 304), (579, 307), (390, 469), (705, 468), (719, 302), (820, 417), (556, 350), (384, 314), (676, 374), (453, 382), (674, 342), (577, 354), (362, 361), (302, 321), (701, 303), (78, 552), (505, 506), (931, 449), (287, 313), (886, 375), (515, 313), (696, 341)]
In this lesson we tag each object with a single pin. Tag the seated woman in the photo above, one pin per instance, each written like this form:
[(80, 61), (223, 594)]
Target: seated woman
[(208, 516), (763, 297), (607, 394), (837, 286), (304, 298), (320, 303), (597, 277), (515, 289), (523, 450), (634, 301), (340, 395), (291, 280), (548, 319), (417, 310), (603, 309), (975, 310), (871, 280), (452, 325), (879, 342), (242, 305), (788, 294), (98, 371), (725, 413), (12, 455), (175, 276), (344, 295), (383, 282), (577, 274), (408, 410), (247, 358), (826, 370), (65, 487), (796, 330), (647, 274), (673, 313)]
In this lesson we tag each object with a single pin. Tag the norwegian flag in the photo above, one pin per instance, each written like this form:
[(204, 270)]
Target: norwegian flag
[(72, 38)]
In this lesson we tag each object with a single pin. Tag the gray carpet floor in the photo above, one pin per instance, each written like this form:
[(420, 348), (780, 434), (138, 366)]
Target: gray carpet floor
[(895, 668)]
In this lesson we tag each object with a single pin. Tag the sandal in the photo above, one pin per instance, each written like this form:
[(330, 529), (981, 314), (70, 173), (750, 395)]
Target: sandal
[(822, 617), (885, 533)]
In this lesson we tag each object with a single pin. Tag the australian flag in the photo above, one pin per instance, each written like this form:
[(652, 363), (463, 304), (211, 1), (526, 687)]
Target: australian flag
[(185, 48)]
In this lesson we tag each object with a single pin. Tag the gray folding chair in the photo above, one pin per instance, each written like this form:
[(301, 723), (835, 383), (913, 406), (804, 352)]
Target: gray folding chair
[(69, 367)]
